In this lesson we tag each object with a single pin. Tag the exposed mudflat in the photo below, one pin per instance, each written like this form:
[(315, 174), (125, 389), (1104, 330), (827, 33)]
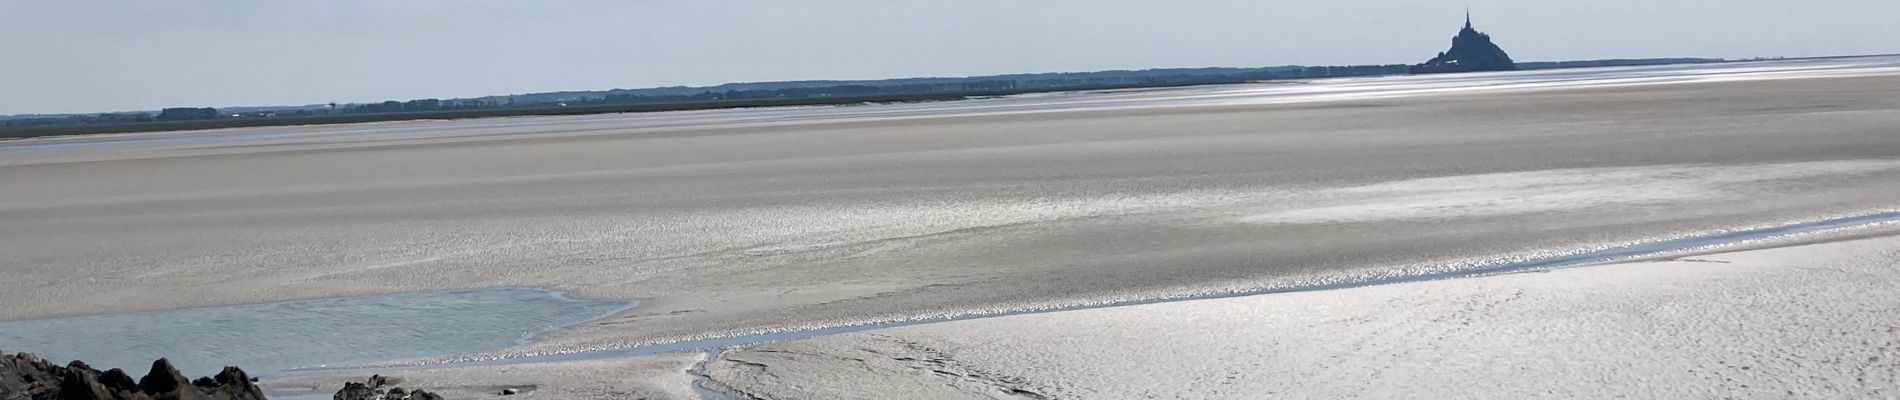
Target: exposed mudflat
[(645, 378), (1812, 321), (743, 220)]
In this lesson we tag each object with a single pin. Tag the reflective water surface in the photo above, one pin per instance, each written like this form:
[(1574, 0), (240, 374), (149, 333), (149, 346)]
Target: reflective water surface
[(272, 337)]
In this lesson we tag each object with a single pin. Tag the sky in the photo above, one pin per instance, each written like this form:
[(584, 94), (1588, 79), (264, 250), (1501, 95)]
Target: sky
[(120, 55)]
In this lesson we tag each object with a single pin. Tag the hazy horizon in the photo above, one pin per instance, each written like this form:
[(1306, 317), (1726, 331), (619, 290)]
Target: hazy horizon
[(145, 55)]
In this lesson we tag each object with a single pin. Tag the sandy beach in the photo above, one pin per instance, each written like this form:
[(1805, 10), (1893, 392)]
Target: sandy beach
[(1810, 321), (652, 377), (755, 220), (1798, 319)]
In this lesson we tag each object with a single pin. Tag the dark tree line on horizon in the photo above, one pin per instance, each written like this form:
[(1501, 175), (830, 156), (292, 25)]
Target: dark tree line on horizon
[(788, 92), (186, 114)]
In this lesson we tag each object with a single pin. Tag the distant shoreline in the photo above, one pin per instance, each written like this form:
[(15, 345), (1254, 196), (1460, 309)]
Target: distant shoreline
[(26, 133), (557, 110)]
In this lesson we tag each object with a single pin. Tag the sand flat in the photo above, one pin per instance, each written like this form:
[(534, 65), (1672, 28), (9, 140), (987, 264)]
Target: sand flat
[(1813, 321), (729, 222), (659, 377)]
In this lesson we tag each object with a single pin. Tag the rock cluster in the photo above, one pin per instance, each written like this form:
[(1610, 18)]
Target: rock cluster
[(373, 390), (1471, 51), (28, 377)]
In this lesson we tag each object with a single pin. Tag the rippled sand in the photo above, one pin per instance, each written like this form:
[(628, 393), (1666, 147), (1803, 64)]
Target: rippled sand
[(726, 221), (1810, 321)]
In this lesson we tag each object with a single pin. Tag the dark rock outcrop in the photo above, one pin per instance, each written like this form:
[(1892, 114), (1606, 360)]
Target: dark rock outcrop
[(372, 389), (117, 379), (1471, 51), (77, 384), (164, 378), (27, 377), (355, 391)]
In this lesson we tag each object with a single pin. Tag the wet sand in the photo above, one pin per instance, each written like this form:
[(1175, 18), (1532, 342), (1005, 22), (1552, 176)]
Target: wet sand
[(741, 226), (1811, 321), (647, 378)]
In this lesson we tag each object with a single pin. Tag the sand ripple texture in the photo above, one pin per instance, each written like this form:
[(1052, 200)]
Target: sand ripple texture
[(1798, 322)]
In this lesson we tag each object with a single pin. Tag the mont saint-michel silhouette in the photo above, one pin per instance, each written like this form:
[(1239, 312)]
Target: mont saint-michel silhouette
[(1471, 51)]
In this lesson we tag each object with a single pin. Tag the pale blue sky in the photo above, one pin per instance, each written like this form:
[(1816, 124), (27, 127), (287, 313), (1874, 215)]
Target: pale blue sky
[(83, 56)]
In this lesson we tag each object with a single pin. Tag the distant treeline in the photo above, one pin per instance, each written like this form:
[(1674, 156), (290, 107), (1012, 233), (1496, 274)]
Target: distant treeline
[(1613, 63), (728, 95), (343, 118), (895, 87)]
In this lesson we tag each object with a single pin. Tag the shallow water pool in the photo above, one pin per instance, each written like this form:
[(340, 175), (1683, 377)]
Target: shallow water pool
[(269, 338)]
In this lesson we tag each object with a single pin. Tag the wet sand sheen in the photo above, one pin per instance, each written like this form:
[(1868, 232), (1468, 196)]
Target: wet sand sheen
[(713, 377), (734, 227), (1811, 321), (1846, 227)]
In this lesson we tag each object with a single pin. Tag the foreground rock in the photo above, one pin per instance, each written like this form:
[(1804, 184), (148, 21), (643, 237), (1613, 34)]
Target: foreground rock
[(25, 376), (373, 390)]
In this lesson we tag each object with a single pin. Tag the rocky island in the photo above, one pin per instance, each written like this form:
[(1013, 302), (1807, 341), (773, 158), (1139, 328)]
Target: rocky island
[(1471, 51)]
